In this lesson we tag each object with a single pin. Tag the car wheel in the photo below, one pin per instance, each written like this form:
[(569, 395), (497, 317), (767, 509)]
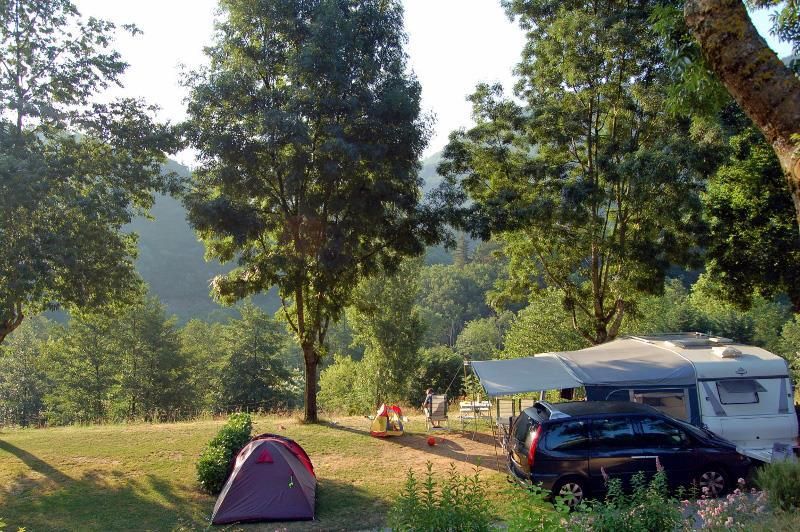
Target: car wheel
[(571, 491), (713, 482)]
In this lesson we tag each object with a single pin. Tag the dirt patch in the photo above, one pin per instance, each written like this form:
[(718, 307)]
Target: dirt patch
[(465, 449)]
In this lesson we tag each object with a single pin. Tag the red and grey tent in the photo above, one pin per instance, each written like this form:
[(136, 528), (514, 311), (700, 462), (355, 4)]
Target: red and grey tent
[(272, 480)]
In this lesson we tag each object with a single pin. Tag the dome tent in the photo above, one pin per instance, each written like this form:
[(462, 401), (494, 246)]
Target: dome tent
[(272, 480)]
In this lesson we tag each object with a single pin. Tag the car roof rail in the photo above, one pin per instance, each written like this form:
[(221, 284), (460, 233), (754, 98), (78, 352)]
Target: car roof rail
[(554, 412)]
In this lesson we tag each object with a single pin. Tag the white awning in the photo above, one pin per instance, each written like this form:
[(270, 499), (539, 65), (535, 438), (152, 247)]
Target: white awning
[(521, 375)]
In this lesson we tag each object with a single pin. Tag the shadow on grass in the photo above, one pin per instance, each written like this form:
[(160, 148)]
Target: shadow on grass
[(33, 462), (445, 447), (100, 499)]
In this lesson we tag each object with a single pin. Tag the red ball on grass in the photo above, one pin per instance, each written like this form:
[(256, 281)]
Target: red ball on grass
[(431, 441)]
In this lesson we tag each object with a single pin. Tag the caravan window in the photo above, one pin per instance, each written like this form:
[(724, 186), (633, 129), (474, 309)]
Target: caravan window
[(739, 391), (674, 403)]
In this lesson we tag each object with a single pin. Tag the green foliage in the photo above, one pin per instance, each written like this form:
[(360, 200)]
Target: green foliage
[(450, 296), (781, 481), (457, 503), (386, 323), (347, 386), (244, 363), (124, 362), (215, 460), (254, 371), (152, 370), (212, 468), (671, 311), (789, 343), (648, 507), (473, 388), (529, 509), (702, 309), (760, 325), (694, 88), (170, 260), (541, 327), (73, 172), (439, 368), (23, 379), (750, 217), (580, 198), (309, 133), (482, 339)]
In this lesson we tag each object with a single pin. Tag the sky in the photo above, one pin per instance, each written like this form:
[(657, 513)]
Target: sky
[(453, 45)]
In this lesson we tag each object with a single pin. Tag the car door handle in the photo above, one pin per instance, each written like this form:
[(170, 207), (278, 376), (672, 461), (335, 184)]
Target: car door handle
[(644, 456)]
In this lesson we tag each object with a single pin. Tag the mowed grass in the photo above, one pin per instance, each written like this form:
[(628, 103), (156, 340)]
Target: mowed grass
[(142, 476)]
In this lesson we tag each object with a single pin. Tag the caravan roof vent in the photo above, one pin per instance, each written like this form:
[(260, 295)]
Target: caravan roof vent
[(719, 340), (726, 351), (688, 343)]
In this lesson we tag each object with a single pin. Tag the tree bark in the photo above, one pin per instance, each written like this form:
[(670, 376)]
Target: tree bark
[(312, 360), (766, 90), (7, 326)]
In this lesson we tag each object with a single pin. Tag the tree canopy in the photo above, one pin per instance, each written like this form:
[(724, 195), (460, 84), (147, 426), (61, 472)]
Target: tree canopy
[(589, 182), (309, 132), (72, 171)]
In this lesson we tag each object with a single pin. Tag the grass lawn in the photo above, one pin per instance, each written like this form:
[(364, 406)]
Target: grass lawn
[(142, 477)]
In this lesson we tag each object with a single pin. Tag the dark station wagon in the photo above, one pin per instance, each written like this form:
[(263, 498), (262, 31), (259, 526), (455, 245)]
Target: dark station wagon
[(570, 447)]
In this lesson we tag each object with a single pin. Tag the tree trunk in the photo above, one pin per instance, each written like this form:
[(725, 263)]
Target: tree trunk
[(7, 326), (312, 359), (766, 90)]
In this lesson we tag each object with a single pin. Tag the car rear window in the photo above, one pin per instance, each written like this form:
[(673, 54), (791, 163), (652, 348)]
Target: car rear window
[(523, 426), (612, 432), (567, 436)]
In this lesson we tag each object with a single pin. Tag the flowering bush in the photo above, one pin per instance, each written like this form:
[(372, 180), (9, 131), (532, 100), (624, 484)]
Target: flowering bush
[(738, 511)]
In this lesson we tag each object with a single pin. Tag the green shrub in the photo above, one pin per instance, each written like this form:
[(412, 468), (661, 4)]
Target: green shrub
[(235, 433), (215, 460), (345, 387), (648, 507), (459, 504), (781, 481), (530, 509)]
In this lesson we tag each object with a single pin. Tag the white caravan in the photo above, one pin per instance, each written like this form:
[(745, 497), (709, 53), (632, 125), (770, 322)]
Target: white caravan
[(740, 392)]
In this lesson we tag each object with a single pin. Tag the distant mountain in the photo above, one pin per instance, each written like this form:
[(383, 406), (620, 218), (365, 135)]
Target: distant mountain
[(428, 172), (171, 258)]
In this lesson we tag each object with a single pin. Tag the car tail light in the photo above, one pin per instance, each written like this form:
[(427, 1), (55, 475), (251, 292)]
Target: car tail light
[(534, 443)]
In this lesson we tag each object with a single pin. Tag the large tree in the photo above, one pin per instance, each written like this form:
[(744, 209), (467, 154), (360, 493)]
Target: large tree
[(589, 182), (72, 172), (765, 88), (308, 131)]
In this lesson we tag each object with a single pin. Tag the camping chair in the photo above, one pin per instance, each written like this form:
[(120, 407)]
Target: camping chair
[(437, 413), (505, 412)]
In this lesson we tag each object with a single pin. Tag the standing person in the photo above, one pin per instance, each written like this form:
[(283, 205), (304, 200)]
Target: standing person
[(427, 405)]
